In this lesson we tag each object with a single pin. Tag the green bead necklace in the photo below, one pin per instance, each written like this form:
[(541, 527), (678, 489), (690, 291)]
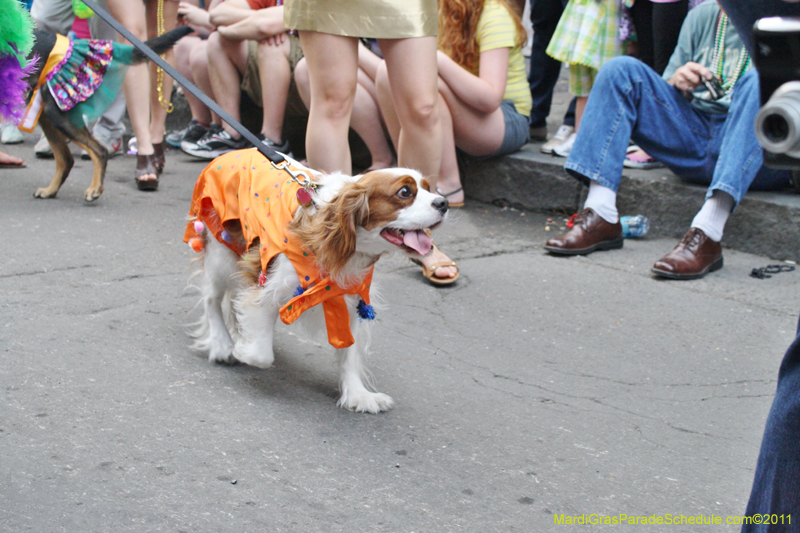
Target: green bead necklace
[(718, 59)]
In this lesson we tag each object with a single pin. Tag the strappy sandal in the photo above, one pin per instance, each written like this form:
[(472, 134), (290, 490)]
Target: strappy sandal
[(159, 158), (430, 272), (451, 193), (145, 166)]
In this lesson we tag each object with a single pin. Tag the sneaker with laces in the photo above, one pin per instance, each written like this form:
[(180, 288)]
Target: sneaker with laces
[(283, 148), (562, 134), (10, 134), (213, 146), (191, 133), (193, 145), (563, 149)]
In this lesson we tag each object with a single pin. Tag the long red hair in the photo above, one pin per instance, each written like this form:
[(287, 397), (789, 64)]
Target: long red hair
[(458, 26)]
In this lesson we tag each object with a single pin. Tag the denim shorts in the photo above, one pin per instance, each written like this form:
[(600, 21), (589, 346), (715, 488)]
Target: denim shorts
[(517, 129)]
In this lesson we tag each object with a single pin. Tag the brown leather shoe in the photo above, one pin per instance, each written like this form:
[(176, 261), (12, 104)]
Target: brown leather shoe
[(589, 234), (694, 257)]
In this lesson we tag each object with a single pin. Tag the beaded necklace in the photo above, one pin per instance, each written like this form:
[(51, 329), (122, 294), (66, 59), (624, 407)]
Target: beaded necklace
[(718, 59)]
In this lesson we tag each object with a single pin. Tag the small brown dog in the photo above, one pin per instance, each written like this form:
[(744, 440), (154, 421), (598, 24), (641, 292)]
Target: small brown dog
[(50, 104)]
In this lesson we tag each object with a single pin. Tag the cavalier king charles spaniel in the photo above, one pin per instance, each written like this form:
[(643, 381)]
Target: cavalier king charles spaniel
[(292, 243)]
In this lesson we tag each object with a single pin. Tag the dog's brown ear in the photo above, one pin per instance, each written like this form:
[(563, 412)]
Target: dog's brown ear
[(331, 233), (348, 210)]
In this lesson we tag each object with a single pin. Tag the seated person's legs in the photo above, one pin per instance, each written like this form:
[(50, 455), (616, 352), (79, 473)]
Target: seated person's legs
[(628, 100), (227, 63), (190, 54), (738, 166), (275, 76)]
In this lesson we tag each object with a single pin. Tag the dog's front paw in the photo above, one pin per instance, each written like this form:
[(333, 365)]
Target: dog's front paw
[(254, 354), (45, 192), (366, 402), (92, 194), (221, 353)]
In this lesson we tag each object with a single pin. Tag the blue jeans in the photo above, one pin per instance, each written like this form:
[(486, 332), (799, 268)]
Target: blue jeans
[(776, 487), (630, 101)]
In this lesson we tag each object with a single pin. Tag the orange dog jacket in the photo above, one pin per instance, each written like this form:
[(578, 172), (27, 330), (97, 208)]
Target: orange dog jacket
[(244, 186)]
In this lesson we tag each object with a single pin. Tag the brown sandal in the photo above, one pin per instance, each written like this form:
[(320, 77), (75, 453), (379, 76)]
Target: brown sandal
[(145, 166), (159, 158)]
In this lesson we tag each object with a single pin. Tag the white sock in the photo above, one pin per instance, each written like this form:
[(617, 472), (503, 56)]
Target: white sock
[(603, 201), (714, 214)]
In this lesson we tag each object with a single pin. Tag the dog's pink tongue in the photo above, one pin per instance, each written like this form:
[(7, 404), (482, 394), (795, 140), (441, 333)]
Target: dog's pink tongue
[(418, 241)]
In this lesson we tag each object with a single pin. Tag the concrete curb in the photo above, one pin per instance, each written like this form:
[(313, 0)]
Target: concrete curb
[(765, 223)]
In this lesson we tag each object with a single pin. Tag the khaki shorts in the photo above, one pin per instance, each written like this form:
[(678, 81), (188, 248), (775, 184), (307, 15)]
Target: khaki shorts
[(251, 83)]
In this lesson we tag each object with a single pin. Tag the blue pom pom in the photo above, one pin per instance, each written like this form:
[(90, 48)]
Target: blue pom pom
[(365, 311), (300, 290)]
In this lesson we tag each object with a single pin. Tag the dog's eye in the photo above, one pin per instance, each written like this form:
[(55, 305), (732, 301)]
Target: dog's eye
[(405, 192)]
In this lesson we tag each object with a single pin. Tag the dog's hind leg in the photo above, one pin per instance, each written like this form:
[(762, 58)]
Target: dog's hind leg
[(353, 375), (219, 268), (99, 156), (62, 155), (256, 314)]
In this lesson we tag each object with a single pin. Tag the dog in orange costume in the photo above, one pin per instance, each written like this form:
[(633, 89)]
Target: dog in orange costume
[(272, 256)]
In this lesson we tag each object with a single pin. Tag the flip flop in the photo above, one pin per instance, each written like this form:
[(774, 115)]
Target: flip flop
[(451, 193)]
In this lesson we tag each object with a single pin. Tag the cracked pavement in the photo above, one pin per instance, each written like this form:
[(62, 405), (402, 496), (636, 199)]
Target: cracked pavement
[(536, 385)]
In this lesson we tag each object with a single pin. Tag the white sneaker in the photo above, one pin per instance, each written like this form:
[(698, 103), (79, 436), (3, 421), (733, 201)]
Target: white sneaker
[(10, 134), (561, 135), (42, 148), (114, 146), (563, 149)]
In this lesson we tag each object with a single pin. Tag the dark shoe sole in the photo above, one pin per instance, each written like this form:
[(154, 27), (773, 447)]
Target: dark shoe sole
[(613, 244), (713, 267)]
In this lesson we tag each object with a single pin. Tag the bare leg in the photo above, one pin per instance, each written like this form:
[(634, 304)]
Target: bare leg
[(200, 75), (158, 115), (276, 78), (365, 118), (413, 76), (580, 107), (332, 66), (137, 81), (476, 132), (449, 178), (366, 121), (190, 53), (227, 61)]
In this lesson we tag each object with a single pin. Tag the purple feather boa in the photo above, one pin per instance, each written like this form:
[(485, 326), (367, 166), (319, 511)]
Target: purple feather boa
[(13, 87)]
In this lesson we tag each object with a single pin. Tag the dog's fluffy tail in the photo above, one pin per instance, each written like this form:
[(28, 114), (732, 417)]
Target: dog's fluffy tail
[(161, 44)]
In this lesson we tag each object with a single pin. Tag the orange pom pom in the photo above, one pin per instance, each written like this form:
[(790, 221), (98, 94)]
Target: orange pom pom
[(196, 244)]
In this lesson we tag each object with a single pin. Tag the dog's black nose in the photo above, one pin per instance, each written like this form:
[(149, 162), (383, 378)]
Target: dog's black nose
[(441, 204)]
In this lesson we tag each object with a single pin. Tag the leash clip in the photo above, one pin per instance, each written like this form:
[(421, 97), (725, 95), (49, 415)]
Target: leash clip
[(305, 194)]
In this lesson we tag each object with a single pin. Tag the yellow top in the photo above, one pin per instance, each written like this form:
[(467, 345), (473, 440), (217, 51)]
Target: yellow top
[(496, 29), (379, 19)]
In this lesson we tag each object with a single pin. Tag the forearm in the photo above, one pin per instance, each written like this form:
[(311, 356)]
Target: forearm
[(230, 12), (262, 24), (484, 92)]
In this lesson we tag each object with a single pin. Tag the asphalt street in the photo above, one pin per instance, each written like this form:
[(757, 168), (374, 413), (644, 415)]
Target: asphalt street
[(535, 387)]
